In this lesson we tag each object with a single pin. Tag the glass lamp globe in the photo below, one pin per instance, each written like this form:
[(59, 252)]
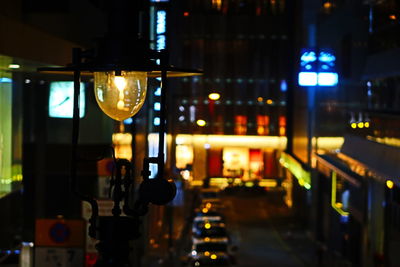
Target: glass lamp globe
[(120, 95)]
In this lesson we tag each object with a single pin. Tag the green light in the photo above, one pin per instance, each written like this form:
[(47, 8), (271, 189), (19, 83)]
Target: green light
[(303, 176), (249, 184), (336, 205)]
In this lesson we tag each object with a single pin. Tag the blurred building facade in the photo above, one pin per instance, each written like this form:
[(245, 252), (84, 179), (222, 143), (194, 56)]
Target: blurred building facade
[(348, 196), (242, 47)]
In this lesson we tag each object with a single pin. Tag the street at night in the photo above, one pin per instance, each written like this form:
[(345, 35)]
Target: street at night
[(265, 233), (195, 133)]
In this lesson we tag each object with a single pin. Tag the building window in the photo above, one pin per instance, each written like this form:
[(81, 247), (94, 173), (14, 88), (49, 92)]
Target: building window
[(240, 125), (262, 124), (282, 125), (216, 4)]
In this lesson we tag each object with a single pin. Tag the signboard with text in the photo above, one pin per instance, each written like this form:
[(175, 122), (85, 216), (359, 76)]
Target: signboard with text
[(60, 242), (59, 257), (317, 68)]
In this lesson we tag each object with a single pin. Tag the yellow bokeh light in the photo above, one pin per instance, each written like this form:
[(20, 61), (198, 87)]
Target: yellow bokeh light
[(213, 256), (339, 205), (327, 5), (207, 253), (353, 125), (389, 184), (207, 226), (360, 125), (204, 210), (201, 123), (214, 96), (269, 101), (260, 99), (366, 124)]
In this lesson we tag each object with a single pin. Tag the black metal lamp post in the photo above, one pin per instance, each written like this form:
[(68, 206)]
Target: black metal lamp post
[(112, 62)]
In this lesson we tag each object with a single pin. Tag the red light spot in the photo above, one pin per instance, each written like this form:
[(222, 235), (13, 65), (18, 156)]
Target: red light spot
[(91, 259), (186, 14)]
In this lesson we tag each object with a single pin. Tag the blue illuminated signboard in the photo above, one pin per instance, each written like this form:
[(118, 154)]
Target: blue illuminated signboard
[(317, 68), (161, 29)]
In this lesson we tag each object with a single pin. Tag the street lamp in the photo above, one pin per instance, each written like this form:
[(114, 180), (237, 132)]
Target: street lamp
[(121, 65)]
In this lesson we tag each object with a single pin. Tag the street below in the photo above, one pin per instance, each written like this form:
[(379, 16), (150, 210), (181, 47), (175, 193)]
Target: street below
[(262, 230)]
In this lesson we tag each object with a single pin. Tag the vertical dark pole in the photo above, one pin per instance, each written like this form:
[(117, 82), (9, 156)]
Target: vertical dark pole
[(77, 57), (163, 111), (292, 63), (75, 120), (163, 129), (387, 225), (311, 122)]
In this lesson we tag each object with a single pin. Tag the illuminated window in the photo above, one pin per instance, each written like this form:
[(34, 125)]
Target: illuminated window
[(123, 145), (262, 124), (217, 4), (184, 156), (282, 125), (240, 125)]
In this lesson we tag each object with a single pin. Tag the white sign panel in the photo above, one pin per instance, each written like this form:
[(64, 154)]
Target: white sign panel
[(58, 257)]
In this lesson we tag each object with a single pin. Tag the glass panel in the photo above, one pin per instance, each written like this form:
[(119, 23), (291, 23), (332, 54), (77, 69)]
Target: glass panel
[(5, 133)]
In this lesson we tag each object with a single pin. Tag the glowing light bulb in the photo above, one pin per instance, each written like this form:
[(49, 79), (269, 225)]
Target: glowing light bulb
[(120, 96)]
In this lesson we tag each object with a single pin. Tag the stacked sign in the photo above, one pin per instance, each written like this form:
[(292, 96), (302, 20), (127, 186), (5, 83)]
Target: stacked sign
[(317, 67)]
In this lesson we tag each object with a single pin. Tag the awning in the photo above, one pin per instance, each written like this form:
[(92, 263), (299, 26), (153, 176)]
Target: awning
[(335, 164), (380, 159)]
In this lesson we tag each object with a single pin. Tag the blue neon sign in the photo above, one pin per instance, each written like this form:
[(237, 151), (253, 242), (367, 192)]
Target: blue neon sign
[(317, 68), (161, 29), (161, 21)]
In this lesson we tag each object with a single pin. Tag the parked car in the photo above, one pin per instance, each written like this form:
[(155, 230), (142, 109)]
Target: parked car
[(210, 232), (209, 193), (202, 221), (212, 259), (212, 204), (207, 215), (210, 254)]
